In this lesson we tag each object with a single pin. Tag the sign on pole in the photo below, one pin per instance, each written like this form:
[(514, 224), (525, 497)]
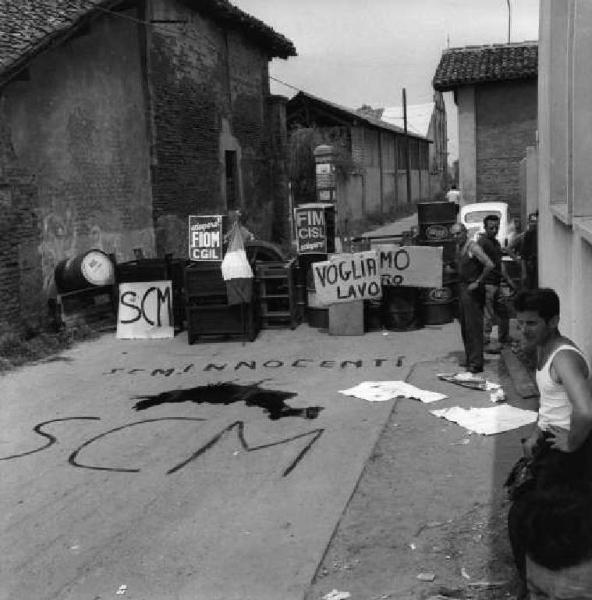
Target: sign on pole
[(205, 237), (311, 230), (145, 310), (412, 266), (347, 278)]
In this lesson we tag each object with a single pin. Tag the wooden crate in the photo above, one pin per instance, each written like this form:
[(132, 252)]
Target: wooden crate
[(276, 286), (204, 284), (206, 321), (92, 306)]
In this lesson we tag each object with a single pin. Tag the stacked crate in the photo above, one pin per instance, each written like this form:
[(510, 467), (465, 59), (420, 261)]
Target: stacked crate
[(208, 313), (277, 294)]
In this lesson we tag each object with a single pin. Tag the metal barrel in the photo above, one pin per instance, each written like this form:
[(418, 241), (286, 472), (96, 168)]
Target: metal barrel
[(89, 269), (434, 220), (400, 308)]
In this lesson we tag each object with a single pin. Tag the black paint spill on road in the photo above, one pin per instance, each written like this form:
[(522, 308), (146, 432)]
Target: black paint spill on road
[(271, 401)]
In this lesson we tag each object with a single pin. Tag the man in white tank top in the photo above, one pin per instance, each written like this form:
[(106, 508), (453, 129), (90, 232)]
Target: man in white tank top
[(562, 376), (559, 450)]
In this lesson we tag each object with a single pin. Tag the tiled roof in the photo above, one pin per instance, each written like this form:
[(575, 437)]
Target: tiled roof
[(349, 114), (482, 64), (27, 27)]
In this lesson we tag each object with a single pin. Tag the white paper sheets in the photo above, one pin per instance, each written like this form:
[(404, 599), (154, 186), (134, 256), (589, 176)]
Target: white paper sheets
[(379, 391), (490, 420)]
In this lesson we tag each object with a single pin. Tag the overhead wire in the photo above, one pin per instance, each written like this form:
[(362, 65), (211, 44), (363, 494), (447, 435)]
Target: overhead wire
[(158, 25)]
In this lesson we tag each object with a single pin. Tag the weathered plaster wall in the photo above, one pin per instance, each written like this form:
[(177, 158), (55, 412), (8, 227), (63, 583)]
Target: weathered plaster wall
[(467, 144), (564, 174)]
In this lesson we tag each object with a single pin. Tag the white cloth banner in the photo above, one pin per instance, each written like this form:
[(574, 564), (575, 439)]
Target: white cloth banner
[(490, 420), (347, 278), (145, 310), (380, 391)]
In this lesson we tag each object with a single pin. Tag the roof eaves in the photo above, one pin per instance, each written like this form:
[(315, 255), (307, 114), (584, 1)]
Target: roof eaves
[(233, 17), (354, 115), (62, 27), (474, 65)]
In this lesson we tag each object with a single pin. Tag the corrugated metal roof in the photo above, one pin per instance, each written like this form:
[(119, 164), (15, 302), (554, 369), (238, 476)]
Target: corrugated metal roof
[(352, 114), (27, 27), (483, 64)]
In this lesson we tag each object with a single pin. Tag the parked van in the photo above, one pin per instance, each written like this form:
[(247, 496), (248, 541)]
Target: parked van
[(472, 215)]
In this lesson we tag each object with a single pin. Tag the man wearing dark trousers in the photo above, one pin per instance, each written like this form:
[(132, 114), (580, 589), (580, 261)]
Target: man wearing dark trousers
[(473, 266), (557, 534), (491, 246)]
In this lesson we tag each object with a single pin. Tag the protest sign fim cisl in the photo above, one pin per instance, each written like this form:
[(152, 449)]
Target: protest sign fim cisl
[(311, 230), (205, 237)]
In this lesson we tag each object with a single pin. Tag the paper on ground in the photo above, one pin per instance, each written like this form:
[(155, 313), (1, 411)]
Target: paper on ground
[(379, 391), (488, 421), (468, 377)]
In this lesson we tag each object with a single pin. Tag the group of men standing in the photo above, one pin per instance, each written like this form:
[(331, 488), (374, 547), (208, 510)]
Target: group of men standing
[(481, 302), (550, 519)]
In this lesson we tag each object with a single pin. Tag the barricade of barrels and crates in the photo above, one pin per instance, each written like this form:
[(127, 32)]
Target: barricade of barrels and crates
[(87, 291), (283, 290), (401, 308)]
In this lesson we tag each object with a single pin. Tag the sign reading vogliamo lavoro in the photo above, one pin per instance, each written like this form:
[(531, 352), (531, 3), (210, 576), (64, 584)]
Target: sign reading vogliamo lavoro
[(347, 278), (412, 266), (311, 230), (205, 237)]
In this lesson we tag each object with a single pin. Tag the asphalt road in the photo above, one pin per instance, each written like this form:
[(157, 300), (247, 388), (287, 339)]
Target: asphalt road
[(203, 472)]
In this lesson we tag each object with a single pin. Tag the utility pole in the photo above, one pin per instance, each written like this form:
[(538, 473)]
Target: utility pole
[(407, 161), (509, 19)]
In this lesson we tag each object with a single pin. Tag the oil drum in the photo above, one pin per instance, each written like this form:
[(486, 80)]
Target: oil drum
[(435, 219), (439, 305), (92, 268), (399, 306)]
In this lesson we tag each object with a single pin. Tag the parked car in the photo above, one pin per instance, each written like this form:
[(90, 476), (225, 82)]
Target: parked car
[(472, 215)]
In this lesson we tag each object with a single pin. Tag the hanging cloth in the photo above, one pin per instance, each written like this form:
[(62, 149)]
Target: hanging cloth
[(236, 270)]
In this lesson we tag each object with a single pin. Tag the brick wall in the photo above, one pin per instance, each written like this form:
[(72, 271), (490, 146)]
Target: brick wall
[(506, 121), (78, 134), (210, 92)]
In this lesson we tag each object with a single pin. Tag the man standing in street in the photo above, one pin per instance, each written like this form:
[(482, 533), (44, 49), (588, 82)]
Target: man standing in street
[(473, 266), (529, 254), (453, 195), (493, 315), (559, 450)]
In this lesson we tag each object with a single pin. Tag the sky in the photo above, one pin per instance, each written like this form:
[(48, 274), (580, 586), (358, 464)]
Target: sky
[(355, 52)]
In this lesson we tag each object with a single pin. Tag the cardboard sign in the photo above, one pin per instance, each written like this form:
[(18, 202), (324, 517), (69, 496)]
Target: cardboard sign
[(347, 278), (145, 310), (205, 237), (411, 266), (311, 230)]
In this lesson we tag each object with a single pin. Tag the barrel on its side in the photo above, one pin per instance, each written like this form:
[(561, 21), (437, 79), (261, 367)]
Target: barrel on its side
[(89, 269)]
